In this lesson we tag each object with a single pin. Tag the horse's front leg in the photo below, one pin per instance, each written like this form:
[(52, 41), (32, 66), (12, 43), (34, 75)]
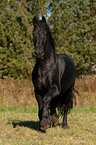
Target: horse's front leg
[(40, 106), (46, 118)]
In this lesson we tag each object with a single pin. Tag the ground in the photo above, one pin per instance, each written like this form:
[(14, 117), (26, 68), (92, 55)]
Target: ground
[(19, 115), (20, 126)]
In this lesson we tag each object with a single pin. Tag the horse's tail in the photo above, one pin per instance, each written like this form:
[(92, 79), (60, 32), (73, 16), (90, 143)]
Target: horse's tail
[(69, 101), (74, 98), (76, 91), (77, 94)]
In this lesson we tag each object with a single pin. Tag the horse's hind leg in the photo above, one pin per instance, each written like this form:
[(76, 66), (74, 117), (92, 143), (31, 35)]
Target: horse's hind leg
[(55, 117), (64, 123), (67, 105)]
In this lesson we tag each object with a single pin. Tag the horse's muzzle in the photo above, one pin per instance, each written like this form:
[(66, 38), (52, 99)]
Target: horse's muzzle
[(39, 55)]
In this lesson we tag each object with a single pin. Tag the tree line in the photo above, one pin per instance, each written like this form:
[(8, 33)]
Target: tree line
[(73, 26)]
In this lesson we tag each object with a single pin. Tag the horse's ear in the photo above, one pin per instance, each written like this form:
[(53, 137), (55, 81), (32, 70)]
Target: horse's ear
[(43, 19), (35, 20)]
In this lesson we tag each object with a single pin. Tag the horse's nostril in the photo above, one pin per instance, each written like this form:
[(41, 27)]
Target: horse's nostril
[(35, 53), (42, 52)]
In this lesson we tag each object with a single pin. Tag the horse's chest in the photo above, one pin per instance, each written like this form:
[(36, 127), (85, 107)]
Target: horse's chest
[(42, 81)]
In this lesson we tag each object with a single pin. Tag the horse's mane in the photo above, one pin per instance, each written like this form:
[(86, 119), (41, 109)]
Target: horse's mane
[(46, 28)]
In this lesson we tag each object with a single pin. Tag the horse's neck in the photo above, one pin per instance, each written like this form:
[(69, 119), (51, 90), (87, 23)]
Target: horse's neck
[(49, 56), (49, 51)]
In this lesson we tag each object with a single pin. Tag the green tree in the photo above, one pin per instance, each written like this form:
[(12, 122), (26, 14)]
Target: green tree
[(74, 29), (16, 43), (73, 25)]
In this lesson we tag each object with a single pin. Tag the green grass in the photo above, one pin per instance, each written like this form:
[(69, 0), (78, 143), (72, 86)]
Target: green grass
[(20, 127)]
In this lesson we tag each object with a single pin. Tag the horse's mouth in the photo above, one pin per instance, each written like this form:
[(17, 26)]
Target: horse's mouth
[(40, 56)]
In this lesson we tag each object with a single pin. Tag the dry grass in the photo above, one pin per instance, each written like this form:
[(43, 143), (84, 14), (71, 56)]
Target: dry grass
[(86, 86), (86, 83), (18, 93)]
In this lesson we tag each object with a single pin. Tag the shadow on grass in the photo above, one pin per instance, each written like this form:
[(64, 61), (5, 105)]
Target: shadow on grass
[(30, 124)]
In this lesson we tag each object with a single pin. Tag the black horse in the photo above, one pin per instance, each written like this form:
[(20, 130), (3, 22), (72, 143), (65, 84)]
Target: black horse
[(53, 77)]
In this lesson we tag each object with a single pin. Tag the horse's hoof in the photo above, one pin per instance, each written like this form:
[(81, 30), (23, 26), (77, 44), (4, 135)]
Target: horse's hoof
[(41, 130), (65, 126), (45, 123), (55, 119)]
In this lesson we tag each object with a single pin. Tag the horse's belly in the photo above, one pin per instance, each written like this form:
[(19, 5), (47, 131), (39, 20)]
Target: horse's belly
[(66, 85), (67, 80)]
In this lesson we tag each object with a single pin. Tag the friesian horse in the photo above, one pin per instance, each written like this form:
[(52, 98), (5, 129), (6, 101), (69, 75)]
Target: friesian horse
[(53, 77)]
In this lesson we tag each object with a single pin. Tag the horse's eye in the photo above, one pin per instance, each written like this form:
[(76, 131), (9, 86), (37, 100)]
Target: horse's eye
[(33, 33), (45, 33), (34, 36)]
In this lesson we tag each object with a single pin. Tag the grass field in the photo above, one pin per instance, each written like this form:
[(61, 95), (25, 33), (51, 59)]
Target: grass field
[(20, 127), (19, 116)]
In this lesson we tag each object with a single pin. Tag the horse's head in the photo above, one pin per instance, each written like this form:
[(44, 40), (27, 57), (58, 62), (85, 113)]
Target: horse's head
[(41, 34)]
